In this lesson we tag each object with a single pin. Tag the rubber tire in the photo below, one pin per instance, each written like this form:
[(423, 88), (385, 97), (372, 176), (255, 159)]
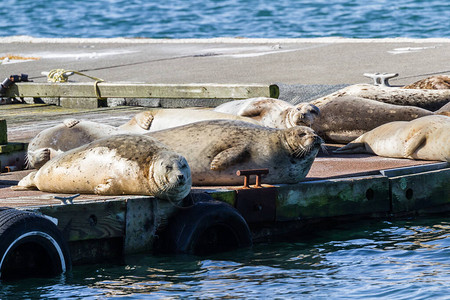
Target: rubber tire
[(206, 228), (31, 246)]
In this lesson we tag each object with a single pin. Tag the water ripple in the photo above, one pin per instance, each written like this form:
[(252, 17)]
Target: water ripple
[(230, 18)]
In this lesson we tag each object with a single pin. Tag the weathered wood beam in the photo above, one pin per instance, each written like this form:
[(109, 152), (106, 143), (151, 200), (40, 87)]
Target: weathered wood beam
[(142, 90)]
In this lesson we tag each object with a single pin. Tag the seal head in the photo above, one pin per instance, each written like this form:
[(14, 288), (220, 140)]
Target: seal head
[(171, 176)]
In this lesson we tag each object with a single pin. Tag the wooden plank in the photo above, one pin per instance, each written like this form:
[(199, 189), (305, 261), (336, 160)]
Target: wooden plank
[(333, 198), (12, 147), (416, 192), (414, 169), (93, 220), (142, 90), (3, 132)]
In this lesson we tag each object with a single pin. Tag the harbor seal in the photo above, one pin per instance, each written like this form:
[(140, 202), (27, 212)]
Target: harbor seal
[(440, 82), (216, 149), (158, 119), (58, 139), (425, 138), (424, 98), (444, 110), (116, 165), (345, 118), (270, 112)]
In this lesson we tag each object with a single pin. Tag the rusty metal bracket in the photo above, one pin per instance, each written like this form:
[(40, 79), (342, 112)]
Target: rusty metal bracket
[(248, 173)]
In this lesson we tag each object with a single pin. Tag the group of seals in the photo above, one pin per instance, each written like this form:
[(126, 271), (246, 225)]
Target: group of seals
[(86, 157), (116, 165), (162, 152)]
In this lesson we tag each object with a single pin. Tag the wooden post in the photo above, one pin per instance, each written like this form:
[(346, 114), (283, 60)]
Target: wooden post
[(142, 90), (3, 133)]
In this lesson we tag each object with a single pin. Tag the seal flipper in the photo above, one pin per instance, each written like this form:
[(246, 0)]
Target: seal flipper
[(26, 183), (38, 158), (229, 157), (353, 147), (144, 120), (253, 109), (104, 188), (69, 123), (414, 143)]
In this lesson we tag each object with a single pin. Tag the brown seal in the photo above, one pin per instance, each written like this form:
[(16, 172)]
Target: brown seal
[(270, 112), (424, 98), (425, 138), (439, 82), (345, 118), (116, 165), (216, 149)]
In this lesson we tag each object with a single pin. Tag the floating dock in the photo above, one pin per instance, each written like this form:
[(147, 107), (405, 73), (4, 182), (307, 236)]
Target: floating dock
[(338, 188)]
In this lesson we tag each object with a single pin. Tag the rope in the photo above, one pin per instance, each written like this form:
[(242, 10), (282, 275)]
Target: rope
[(61, 75)]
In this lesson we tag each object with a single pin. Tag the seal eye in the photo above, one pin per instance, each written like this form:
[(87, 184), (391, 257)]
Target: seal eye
[(169, 168)]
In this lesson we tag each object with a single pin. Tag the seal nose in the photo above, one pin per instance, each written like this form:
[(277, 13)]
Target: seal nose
[(180, 177)]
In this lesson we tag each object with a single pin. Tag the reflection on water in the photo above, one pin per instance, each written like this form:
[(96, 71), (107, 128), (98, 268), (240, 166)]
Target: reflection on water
[(402, 259)]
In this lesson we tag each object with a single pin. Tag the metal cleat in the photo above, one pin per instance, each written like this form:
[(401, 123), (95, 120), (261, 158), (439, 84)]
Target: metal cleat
[(381, 79), (65, 199)]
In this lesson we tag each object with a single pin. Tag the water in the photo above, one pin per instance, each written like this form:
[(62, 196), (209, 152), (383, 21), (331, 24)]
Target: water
[(226, 18), (402, 259)]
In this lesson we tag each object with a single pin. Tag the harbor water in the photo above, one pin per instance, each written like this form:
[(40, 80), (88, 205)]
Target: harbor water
[(227, 18), (401, 259)]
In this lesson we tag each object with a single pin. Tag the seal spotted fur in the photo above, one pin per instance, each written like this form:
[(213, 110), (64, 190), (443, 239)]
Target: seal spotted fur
[(116, 165), (216, 149), (58, 139), (345, 118), (270, 112), (159, 119)]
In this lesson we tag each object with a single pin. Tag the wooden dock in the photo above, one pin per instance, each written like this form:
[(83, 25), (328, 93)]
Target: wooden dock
[(337, 188)]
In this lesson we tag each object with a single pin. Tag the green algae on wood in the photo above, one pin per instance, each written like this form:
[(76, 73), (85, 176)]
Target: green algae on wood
[(330, 198)]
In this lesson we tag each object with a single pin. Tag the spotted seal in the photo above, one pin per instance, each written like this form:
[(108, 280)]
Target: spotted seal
[(430, 99), (439, 82), (71, 134), (270, 112), (158, 119), (345, 118), (425, 138), (116, 165), (216, 149)]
